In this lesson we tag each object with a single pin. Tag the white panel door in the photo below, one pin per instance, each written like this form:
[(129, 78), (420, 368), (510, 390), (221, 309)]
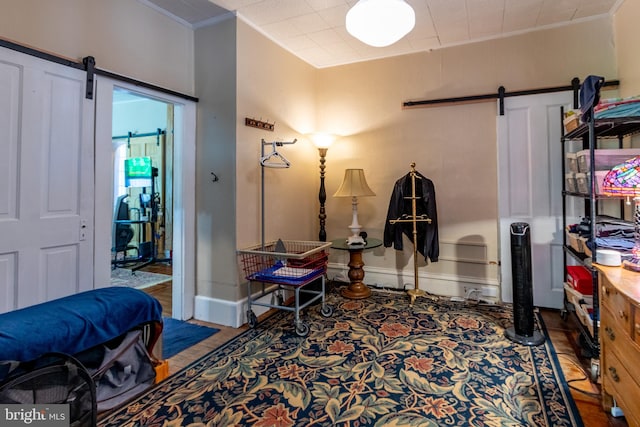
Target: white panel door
[(46, 181), (530, 190)]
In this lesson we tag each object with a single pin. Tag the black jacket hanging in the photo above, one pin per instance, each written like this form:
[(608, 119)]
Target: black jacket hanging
[(400, 205)]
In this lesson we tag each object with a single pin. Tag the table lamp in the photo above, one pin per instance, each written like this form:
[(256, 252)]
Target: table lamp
[(624, 180), (354, 185)]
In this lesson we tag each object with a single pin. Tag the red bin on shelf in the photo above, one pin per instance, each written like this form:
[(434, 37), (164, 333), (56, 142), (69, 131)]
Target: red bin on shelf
[(580, 279)]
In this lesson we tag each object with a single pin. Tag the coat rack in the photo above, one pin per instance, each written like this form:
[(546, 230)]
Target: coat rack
[(271, 160), (414, 219)]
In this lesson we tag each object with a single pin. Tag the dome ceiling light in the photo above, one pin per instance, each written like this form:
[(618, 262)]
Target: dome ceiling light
[(380, 23)]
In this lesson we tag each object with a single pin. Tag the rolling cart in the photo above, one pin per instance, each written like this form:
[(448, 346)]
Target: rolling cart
[(289, 265)]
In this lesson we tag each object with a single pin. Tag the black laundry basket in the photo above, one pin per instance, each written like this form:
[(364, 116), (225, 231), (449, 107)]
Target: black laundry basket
[(53, 378)]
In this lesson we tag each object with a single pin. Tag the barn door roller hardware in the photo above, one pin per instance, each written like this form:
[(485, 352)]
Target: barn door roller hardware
[(89, 66)]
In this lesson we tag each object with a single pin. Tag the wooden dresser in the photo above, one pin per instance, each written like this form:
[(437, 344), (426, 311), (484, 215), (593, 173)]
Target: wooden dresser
[(619, 291)]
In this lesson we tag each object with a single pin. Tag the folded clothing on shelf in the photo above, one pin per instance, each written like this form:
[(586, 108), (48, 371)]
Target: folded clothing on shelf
[(617, 107), (615, 243), (610, 233)]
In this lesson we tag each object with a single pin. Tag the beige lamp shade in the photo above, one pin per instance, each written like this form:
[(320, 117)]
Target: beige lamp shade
[(354, 184), (322, 140)]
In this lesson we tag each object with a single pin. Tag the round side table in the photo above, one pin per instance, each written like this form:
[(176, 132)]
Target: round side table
[(356, 289)]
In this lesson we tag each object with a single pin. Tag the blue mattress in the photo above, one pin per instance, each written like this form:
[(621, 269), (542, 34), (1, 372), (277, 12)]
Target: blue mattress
[(74, 323)]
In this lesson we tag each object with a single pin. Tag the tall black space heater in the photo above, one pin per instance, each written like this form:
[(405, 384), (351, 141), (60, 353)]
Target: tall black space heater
[(522, 331)]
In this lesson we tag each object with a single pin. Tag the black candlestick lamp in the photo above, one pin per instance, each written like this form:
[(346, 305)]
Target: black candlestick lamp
[(322, 141)]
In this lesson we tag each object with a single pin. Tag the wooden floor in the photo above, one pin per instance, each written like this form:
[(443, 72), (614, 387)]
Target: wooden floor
[(576, 369), (562, 333)]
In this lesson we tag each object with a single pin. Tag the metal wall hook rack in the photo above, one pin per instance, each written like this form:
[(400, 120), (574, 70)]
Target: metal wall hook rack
[(254, 123)]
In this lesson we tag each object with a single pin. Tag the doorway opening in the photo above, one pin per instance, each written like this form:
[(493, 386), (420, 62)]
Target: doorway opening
[(167, 225), (142, 143)]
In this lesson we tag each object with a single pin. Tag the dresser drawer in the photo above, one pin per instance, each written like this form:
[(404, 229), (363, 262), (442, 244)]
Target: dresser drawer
[(617, 303), (619, 383), (616, 340), (619, 297), (635, 332)]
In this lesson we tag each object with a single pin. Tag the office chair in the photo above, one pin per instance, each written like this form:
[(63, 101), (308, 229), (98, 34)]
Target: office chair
[(122, 233)]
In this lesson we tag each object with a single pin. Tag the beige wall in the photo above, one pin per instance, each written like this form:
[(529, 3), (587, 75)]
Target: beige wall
[(627, 40), (239, 74), (124, 36), (453, 145), (275, 86), (215, 80)]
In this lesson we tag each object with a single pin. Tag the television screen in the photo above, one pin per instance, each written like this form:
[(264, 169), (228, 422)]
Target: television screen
[(137, 172)]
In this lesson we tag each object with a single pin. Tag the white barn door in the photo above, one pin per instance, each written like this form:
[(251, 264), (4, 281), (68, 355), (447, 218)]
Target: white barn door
[(530, 190), (46, 181)]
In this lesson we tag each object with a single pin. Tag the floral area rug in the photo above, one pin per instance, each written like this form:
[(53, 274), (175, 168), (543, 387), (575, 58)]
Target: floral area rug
[(375, 362), (136, 279)]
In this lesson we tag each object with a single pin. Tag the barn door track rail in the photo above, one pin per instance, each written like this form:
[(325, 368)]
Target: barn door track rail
[(88, 64), (502, 94)]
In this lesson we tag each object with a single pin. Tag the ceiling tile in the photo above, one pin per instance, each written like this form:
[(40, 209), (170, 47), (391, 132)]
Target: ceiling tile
[(334, 16), (268, 12), (485, 17), (521, 15), (282, 30), (314, 29), (309, 23), (319, 5), (450, 19), (300, 42), (326, 37)]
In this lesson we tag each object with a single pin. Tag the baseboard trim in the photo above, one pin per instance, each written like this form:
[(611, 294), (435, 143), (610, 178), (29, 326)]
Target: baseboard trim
[(437, 284), (227, 313), (234, 313)]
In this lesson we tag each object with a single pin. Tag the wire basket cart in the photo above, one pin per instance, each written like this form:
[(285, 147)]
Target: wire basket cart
[(287, 265)]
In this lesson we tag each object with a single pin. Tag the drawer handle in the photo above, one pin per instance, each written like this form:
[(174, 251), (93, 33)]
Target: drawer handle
[(614, 374), (638, 328), (605, 290), (610, 333), (623, 314)]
